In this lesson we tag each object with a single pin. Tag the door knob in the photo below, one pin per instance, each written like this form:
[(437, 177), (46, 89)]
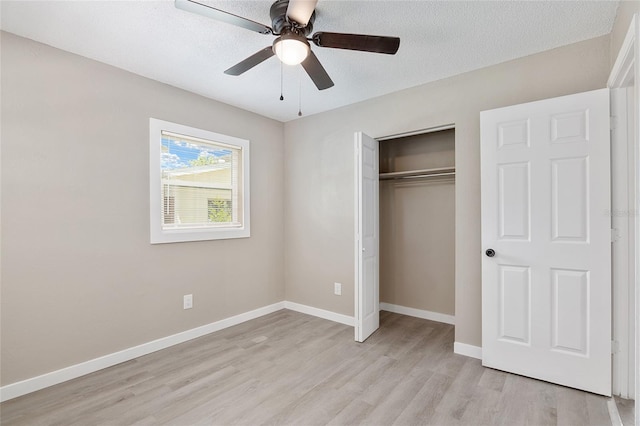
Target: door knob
[(490, 252)]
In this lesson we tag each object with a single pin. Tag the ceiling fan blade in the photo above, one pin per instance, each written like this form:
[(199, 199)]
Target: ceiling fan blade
[(361, 42), (316, 71), (300, 11), (250, 62), (220, 15)]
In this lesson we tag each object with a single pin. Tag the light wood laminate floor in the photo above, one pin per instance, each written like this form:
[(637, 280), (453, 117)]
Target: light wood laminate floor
[(291, 368)]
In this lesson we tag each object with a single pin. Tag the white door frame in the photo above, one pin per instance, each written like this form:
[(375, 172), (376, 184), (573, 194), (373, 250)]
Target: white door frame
[(625, 70), (356, 207)]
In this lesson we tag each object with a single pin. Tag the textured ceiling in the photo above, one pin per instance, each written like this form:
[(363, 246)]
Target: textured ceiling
[(439, 39)]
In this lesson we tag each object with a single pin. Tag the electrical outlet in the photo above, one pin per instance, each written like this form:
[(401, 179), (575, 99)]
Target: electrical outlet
[(337, 289), (187, 301)]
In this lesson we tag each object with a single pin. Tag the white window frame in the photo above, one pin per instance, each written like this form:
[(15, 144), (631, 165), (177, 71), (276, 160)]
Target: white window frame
[(159, 235)]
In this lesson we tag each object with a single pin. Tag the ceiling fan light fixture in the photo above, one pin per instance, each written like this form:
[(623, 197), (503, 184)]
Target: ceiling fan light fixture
[(291, 49)]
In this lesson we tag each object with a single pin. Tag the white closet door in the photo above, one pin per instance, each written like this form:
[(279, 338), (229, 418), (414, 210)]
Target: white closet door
[(546, 292), (367, 213)]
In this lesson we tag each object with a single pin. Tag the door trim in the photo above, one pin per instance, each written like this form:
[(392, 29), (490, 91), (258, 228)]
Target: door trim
[(624, 70)]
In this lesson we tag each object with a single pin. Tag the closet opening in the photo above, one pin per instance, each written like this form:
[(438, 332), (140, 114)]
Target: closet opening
[(417, 224)]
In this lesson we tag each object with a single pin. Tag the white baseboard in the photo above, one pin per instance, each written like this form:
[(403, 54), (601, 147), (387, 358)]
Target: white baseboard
[(418, 313), (23, 387), (321, 313), (614, 414), (467, 350), (33, 384)]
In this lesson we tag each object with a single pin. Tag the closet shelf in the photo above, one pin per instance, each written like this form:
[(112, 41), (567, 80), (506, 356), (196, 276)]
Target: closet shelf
[(422, 173)]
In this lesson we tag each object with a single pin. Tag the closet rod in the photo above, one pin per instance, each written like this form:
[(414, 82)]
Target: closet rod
[(419, 176), (424, 173)]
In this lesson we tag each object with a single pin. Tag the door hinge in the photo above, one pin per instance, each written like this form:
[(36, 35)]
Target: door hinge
[(615, 235), (615, 346), (613, 122)]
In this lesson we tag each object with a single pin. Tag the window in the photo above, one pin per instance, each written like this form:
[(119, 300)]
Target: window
[(199, 184)]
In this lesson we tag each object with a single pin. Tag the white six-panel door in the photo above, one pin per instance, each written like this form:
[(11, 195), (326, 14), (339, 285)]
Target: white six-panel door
[(367, 212), (546, 292)]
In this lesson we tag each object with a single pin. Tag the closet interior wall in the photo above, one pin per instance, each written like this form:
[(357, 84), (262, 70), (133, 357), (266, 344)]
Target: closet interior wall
[(417, 224)]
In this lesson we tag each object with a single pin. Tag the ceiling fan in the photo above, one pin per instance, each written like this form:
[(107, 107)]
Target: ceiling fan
[(292, 23)]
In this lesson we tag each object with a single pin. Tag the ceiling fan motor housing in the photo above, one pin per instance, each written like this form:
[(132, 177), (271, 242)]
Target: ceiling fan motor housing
[(281, 24)]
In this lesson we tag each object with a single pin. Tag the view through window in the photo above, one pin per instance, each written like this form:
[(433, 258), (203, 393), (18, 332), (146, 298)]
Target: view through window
[(200, 180)]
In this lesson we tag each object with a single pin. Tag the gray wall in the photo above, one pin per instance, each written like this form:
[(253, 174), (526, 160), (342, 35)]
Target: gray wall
[(625, 12), (79, 277), (319, 169)]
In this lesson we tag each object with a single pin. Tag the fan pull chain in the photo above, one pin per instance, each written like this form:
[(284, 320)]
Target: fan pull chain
[(281, 84), (300, 92)]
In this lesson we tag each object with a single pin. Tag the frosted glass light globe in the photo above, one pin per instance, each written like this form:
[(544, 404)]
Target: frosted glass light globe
[(291, 49)]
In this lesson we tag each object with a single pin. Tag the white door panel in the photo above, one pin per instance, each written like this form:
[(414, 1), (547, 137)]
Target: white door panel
[(545, 196), (367, 304)]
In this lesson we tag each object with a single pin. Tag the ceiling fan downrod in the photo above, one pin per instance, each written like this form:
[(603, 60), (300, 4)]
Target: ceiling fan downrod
[(281, 23)]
